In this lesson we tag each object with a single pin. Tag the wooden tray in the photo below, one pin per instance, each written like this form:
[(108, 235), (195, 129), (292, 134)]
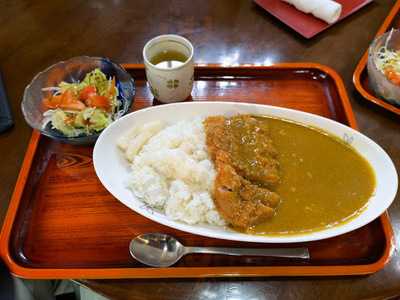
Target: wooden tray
[(62, 223), (360, 76), (306, 24)]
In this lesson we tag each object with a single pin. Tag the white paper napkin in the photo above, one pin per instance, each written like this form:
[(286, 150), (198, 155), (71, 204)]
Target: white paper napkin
[(327, 10)]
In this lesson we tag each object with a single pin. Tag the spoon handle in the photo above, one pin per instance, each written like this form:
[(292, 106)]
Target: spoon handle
[(271, 252)]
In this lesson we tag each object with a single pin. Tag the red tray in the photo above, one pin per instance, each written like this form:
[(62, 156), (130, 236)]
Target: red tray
[(360, 76), (306, 24), (62, 223)]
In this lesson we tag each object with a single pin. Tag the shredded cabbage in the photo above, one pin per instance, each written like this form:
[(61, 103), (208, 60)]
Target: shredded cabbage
[(99, 120), (58, 121), (387, 58), (72, 123)]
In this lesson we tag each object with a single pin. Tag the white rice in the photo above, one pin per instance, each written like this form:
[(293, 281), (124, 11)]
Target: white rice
[(173, 172)]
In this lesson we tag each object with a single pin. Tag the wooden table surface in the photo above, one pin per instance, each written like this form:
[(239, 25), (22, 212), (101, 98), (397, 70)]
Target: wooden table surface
[(35, 34)]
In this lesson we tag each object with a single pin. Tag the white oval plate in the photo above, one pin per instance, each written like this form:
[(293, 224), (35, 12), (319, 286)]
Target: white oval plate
[(113, 170)]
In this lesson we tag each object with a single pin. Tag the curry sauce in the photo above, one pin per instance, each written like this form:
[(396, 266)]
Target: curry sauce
[(320, 181)]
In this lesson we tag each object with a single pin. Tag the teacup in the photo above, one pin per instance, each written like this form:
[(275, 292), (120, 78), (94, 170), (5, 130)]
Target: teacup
[(169, 67)]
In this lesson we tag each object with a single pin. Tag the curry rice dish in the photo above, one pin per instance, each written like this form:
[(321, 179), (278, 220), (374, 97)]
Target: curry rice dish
[(276, 177)]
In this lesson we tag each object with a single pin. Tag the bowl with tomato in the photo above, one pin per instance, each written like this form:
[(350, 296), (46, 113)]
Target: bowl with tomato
[(72, 101), (384, 66)]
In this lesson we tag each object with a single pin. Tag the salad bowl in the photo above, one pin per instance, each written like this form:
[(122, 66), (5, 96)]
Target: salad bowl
[(384, 66), (51, 83)]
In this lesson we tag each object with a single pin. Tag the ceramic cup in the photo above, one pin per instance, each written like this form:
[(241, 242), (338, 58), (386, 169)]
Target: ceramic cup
[(173, 83)]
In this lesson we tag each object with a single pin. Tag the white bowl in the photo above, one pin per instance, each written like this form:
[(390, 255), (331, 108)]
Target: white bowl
[(113, 170)]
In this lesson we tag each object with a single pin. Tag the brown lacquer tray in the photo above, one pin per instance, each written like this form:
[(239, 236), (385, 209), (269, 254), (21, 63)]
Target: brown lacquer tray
[(360, 76), (62, 223)]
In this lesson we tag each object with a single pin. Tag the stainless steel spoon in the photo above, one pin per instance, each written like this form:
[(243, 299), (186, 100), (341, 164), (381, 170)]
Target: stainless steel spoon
[(162, 250)]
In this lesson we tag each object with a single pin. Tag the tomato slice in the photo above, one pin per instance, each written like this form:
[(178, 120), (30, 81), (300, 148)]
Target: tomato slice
[(70, 101), (86, 92), (76, 105), (99, 102), (52, 102), (67, 100), (392, 75)]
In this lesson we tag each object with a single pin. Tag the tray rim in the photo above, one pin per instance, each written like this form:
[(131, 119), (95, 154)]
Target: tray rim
[(189, 272), (360, 68)]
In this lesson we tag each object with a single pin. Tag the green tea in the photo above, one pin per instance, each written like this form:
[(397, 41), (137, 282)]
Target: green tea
[(168, 59)]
